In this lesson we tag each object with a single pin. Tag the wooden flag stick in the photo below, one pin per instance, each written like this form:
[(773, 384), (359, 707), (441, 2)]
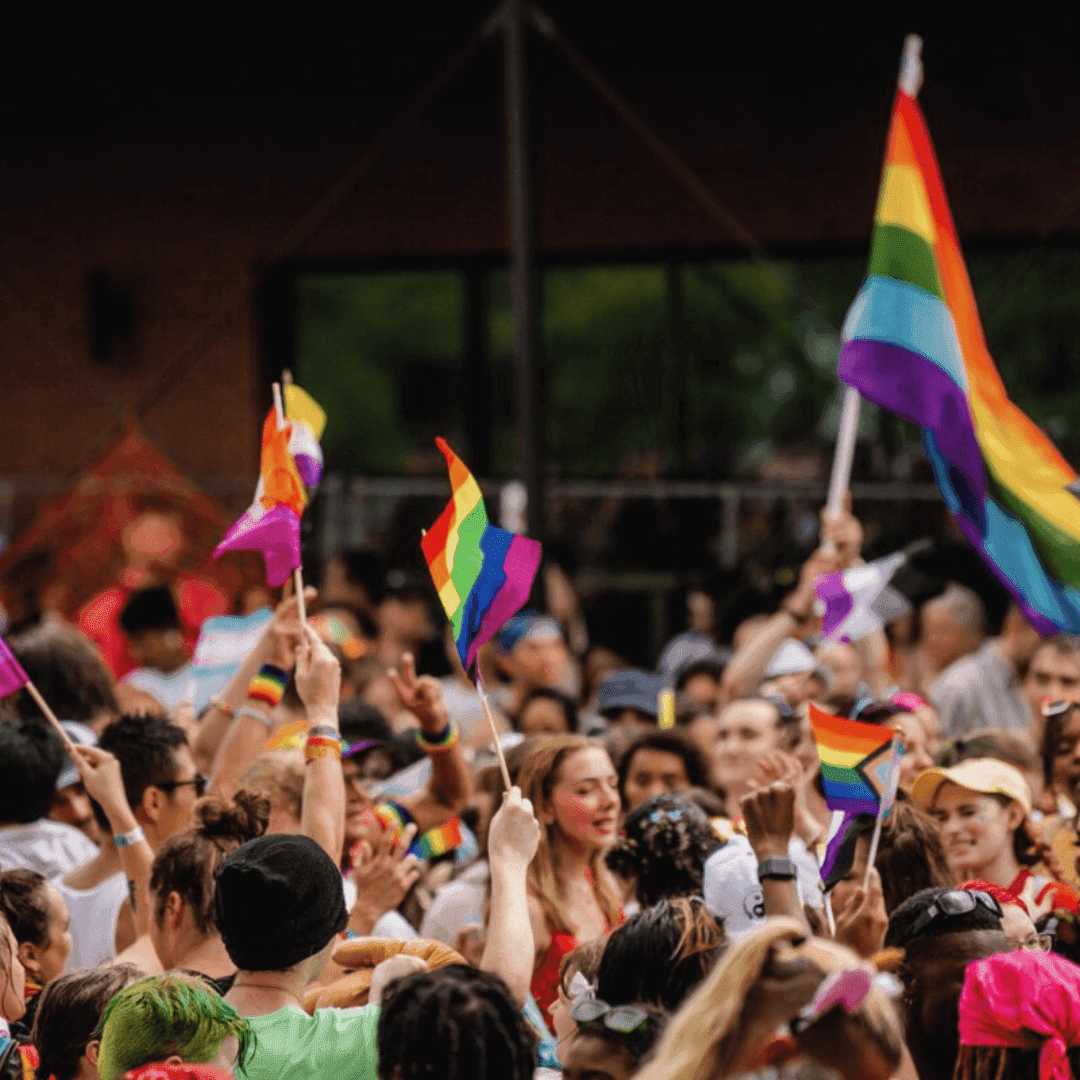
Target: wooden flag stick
[(298, 577), (43, 705), (298, 585), (494, 730)]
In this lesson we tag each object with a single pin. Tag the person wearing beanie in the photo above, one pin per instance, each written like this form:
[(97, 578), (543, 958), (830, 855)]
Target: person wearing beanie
[(280, 907)]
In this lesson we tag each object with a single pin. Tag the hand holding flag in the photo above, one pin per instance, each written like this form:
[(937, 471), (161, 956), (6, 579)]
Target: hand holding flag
[(483, 574), (290, 465)]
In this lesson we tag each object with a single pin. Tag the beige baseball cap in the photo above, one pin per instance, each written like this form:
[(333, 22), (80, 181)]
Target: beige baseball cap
[(986, 775)]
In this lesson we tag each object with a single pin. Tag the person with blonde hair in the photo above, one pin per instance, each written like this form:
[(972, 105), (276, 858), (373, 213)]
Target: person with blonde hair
[(574, 790), (778, 995)]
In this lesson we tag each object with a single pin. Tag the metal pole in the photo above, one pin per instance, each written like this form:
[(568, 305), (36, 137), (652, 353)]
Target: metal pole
[(523, 290)]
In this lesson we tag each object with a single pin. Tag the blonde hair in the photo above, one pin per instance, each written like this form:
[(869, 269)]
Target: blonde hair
[(759, 986), (537, 779)]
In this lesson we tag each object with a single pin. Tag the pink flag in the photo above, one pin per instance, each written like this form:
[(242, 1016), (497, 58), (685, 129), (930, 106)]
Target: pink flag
[(12, 676), (274, 532)]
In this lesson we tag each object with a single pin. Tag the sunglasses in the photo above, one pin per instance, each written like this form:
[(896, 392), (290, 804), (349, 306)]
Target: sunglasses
[(198, 780), (621, 1019), (950, 905)]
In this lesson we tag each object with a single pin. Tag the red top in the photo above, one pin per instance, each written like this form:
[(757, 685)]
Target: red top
[(545, 980)]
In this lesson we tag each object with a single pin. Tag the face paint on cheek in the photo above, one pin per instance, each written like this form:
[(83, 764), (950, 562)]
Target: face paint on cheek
[(576, 809)]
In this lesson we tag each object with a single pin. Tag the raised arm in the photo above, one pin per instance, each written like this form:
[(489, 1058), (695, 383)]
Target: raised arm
[(247, 730), (318, 682), (448, 790), (100, 773), (747, 667), (769, 815), (513, 837)]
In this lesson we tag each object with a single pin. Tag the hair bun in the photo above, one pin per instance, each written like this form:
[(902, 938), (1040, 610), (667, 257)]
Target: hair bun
[(245, 818)]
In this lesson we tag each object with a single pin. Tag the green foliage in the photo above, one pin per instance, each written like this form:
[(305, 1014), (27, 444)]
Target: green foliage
[(755, 369), (372, 348)]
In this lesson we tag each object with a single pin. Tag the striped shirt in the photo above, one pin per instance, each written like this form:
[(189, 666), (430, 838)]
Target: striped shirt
[(981, 691)]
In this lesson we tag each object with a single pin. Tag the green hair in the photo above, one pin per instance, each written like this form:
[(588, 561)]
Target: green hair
[(168, 1014)]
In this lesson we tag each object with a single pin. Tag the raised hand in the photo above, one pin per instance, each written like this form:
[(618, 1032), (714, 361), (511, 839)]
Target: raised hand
[(318, 676), (284, 636), (769, 816), (514, 832), (862, 921), (422, 695), (384, 872), (843, 531), (100, 773)]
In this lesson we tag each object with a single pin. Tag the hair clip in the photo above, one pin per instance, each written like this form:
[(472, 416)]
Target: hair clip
[(848, 989)]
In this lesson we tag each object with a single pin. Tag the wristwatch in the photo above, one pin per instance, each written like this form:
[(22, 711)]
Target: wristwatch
[(776, 870)]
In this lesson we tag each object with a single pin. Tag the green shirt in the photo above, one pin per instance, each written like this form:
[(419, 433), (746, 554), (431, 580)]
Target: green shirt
[(334, 1044)]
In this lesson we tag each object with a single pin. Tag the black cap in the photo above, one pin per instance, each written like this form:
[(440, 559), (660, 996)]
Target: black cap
[(279, 900)]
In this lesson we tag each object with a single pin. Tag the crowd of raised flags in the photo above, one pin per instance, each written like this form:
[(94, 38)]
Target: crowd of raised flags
[(715, 873)]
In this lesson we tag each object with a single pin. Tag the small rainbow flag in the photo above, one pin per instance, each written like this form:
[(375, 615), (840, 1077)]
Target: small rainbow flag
[(438, 841), (857, 762), (482, 573), (913, 343), (290, 464)]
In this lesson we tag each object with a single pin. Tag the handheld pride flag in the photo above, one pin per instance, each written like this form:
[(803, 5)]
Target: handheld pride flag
[(290, 464), (859, 601), (913, 343), (483, 574), (857, 763)]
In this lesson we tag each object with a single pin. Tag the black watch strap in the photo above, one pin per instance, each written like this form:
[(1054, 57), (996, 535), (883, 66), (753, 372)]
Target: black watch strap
[(776, 870)]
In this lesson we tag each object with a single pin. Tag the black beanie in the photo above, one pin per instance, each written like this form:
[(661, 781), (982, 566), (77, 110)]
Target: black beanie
[(279, 900)]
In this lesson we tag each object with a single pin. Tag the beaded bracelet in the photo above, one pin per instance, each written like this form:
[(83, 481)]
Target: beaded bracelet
[(447, 739), (268, 685)]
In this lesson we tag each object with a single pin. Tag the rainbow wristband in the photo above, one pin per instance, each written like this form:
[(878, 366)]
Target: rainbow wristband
[(447, 739), (269, 685)]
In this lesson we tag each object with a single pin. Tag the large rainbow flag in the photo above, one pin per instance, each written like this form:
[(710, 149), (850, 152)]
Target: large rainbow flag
[(483, 574), (289, 466), (913, 343), (857, 762)]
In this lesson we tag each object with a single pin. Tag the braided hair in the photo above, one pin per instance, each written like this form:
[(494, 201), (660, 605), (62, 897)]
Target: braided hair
[(455, 1023)]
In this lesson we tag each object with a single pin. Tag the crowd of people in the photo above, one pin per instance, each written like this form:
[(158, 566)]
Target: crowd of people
[(323, 874)]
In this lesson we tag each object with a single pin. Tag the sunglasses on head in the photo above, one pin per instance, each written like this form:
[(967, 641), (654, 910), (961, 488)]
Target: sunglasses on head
[(621, 1019), (952, 904)]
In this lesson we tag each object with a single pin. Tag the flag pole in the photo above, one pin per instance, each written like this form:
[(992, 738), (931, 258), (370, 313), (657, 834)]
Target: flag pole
[(297, 575), (494, 730), (43, 705), (910, 81), (884, 807)]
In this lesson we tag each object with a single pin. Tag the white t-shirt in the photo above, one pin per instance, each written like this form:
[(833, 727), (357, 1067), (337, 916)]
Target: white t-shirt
[(457, 905), (49, 847), (732, 890), (93, 919)]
